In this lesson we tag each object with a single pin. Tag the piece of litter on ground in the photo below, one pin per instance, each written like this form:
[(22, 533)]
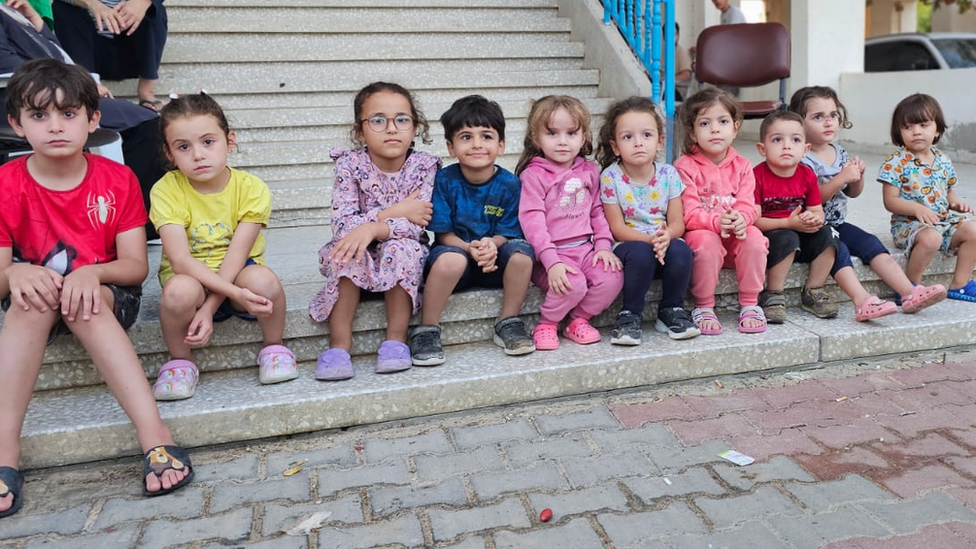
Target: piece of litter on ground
[(667, 481), (545, 515), (908, 413), (719, 384), (840, 399), (313, 522), (294, 468), (736, 457), (796, 376)]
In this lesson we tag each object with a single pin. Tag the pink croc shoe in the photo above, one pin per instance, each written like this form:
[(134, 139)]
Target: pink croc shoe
[(922, 297), (177, 380), (546, 337), (873, 308), (276, 364), (580, 331)]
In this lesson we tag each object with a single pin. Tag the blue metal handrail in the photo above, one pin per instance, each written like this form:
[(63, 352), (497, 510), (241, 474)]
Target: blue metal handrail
[(640, 23)]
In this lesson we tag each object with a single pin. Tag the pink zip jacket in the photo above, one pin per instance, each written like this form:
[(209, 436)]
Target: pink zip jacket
[(710, 189), (561, 206)]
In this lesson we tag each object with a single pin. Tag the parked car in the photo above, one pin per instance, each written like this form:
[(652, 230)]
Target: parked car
[(920, 51)]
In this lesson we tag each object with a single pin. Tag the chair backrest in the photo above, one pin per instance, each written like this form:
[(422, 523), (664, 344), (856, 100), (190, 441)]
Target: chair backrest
[(746, 54)]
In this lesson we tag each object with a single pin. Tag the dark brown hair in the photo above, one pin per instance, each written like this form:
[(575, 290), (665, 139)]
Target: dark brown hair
[(776, 116), (185, 106), (419, 120), (916, 109), (539, 116), (604, 151), (36, 83), (694, 105), (798, 103)]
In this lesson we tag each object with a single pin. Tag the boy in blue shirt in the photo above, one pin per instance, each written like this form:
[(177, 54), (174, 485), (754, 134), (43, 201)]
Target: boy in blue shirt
[(479, 241)]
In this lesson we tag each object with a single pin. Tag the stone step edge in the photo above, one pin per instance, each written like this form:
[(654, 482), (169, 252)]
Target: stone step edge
[(231, 406)]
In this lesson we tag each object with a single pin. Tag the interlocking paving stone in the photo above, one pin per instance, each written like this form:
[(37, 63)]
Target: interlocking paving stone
[(66, 522), (676, 458), (749, 534), (338, 456), (583, 472), (388, 500), (655, 434), (580, 501), (574, 445), (446, 524), (777, 468), (824, 496), (121, 537), (434, 442), (692, 481), (485, 458), (577, 534), (810, 532), (278, 518), (244, 467), (905, 517), (765, 501), (332, 481), (403, 530), (642, 529), (232, 527), (543, 475), (472, 437), (597, 418), (185, 503), (227, 495)]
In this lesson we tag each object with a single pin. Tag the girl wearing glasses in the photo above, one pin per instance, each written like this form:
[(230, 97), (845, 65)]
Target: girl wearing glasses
[(380, 206)]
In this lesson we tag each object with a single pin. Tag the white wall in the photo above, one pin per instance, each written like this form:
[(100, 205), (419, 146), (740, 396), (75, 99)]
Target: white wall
[(871, 98)]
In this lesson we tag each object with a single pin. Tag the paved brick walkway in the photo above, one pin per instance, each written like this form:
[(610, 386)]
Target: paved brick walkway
[(875, 455)]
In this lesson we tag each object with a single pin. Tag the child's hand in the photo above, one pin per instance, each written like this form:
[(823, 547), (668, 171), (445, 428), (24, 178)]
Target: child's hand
[(739, 225), (485, 253), (926, 215), (809, 222), (353, 245), (852, 172), (660, 240), (255, 304), (81, 292), (727, 222), (558, 281), (961, 207), (415, 210), (859, 163), (610, 260), (34, 286), (200, 329)]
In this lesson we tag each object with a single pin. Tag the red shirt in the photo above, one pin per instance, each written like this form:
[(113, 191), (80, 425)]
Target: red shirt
[(64, 230), (779, 196)]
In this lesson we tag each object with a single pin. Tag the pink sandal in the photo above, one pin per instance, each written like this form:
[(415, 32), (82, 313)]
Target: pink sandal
[(580, 331), (874, 307), (276, 364), (749, 312), (706, 314), (922, 297), (546, 337), (177, 380)]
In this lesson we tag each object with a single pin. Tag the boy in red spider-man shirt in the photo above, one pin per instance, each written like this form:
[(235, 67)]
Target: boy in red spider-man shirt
[(72, 257)]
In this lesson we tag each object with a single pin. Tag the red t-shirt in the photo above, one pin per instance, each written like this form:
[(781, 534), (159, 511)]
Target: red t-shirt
[(64, 230), (779, 196)]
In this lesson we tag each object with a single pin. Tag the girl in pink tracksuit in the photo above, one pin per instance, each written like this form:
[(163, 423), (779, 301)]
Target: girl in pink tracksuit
[(720, 210), (562, 217)]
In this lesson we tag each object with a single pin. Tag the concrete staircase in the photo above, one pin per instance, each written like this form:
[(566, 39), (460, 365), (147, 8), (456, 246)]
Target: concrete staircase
[(287, 75)]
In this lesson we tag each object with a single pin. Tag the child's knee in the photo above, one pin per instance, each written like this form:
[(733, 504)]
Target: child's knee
[(181, 293), (928, 241), (449, 264), (32, 319), (520, 263), (261, 280)]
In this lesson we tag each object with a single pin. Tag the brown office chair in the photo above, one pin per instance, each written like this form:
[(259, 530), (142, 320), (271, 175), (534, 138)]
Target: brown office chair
[(745, 55)]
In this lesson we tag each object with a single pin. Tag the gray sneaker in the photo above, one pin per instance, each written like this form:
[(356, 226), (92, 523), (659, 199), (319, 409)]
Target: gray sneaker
[(510, 334), (425, 346), (817, 302), (627, 330)]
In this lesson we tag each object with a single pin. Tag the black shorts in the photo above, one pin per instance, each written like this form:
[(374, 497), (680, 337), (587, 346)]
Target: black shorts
[(126, 308), (809, 246)]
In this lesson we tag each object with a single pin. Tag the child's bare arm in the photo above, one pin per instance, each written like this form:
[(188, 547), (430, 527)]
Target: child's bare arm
[(452, 239), (178, 252), (619, 228), (955, 203)]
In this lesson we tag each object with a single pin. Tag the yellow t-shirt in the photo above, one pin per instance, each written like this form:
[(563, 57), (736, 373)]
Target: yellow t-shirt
[(210, 219)]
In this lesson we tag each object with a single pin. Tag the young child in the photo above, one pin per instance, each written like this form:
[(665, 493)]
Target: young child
[(562, 218), (476, 227), (380, 207), (920, 196), (209, 217), (841, 177), (642, 202), (72, 258), (792, 218), (720, 209)]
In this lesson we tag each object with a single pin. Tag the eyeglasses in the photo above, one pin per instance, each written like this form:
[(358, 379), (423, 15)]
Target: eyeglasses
[(378, 124)]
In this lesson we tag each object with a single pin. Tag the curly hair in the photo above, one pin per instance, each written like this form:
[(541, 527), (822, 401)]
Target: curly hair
[(539, 117), (604, 150)]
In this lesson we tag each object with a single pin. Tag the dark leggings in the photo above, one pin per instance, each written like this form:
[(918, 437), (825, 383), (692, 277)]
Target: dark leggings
[(641, 267)]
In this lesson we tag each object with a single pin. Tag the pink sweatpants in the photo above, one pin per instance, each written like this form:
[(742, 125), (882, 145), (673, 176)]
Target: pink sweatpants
[(712, 252), (593, 288)]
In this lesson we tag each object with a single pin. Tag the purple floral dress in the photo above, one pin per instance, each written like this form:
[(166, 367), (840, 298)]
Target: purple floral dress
[(360, 192)]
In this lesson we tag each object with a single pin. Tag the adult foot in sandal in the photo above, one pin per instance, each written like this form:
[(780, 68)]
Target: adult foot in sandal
[(922, 297), (706, 321), (752, 320), (11, 491), (165, 469), (873, 307)]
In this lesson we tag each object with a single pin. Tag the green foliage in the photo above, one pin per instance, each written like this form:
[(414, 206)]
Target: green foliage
[(963, 5), (924, 12)]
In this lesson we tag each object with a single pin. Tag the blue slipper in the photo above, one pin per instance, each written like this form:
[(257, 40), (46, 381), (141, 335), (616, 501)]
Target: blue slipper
[(160, 459), (11, 482), (966, 293)]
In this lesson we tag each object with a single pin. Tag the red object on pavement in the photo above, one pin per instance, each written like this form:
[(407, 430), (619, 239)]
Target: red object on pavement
[(545, 515)]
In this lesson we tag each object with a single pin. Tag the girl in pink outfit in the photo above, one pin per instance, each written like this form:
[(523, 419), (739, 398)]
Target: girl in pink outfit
[(562, 217), (720, 210)]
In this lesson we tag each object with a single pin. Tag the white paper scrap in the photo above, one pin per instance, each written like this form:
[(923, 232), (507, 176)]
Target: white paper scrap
[(736, 457)]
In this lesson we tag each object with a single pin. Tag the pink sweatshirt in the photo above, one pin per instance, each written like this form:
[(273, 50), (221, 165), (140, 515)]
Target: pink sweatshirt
[(561, 206), (710, 188)]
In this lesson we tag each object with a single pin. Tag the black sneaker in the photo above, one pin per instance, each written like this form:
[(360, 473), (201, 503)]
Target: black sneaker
[(676, 322), (627, 330), (425, 346), (510, 334)]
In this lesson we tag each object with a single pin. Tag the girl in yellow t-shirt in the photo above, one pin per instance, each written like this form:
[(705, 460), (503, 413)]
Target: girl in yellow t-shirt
[(209, 217)]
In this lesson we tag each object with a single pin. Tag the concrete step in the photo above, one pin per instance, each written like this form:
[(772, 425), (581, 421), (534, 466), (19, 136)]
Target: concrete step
[(356, 3), (232, 406), (276, 18)]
